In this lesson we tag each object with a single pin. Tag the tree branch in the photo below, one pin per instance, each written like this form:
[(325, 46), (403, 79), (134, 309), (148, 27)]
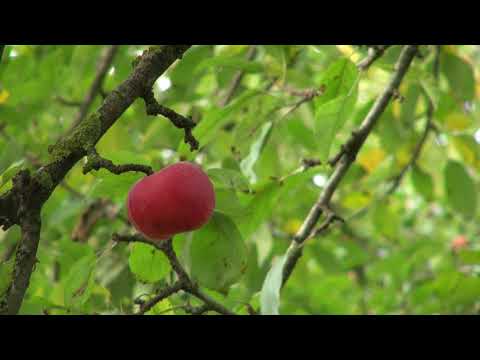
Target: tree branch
[(103, 66), (416, 152), (96, 162), (183, 283), (162, 294), (2, 47), (374, 52), (347, 157), (180, 121), (36, 190), (237, 78)]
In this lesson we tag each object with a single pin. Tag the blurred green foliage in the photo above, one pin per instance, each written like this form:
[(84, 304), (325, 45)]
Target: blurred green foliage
[(393, 257)]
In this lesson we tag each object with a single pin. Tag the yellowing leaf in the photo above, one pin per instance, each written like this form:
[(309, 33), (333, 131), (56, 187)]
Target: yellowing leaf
[(371, 158), (356, 200), (349, 51), (4, 95), (292, 226), (403, 155), (456, 122)]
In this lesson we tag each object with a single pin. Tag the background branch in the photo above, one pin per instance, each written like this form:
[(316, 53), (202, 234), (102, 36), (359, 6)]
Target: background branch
[(103, 66), (347, 157), (237, 79)]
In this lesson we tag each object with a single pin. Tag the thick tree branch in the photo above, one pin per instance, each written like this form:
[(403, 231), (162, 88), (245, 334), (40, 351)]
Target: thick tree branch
[(183, 283), (103, 66), (35, 190), (349, 153)]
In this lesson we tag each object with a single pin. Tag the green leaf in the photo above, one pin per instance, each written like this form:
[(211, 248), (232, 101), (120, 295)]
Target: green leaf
[(459, 74), (260, 207), (409, 105), (227, 202), (228, 179), (11, 171), (6, 269), (468, 148), (79, 282), (229, 62), (270, 293), (208, 128), (247, 164), (460, 189), (338, 80), (147, 263), (163, 307), (330, 118), (217, 254), (422, 182), (114, 187), (470, 257), (386, 221)]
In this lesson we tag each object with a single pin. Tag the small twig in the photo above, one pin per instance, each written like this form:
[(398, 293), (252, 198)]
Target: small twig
[(103, 66), (330, 219), (71, 190), (100, 208), (237, 78), (162, 294), (66, 102), (180, 121), (416, 152), (184, 282), (96, 162), (374, 53), (198, 310), (309, 163)]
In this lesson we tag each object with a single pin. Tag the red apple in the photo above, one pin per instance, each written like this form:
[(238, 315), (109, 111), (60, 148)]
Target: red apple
[(459, 242), (176, 199)]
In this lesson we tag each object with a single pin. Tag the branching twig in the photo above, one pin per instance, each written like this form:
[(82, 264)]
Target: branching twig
[(347, 157), (96, 162), (162, 294), (103, 66), (374, 53), (180, 121), (183, 283), (416, 152)]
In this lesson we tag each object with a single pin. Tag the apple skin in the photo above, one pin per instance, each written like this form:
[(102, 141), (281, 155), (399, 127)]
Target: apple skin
[(177, 199)]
